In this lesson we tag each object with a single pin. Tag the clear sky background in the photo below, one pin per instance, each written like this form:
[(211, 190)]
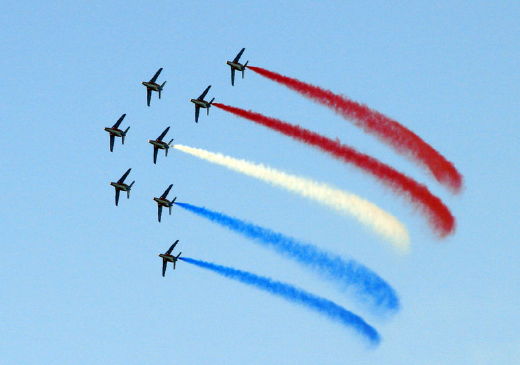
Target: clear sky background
[(81, 280)]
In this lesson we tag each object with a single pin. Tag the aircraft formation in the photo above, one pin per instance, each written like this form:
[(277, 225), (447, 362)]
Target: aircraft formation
[(381, 222), (159, 144)]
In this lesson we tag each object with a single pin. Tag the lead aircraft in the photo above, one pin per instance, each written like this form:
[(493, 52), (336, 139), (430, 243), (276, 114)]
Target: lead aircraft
[(235, 65), (168, 257), (121, 186), (163, 202), (201, 103), (116, 132), (160, 144), (153, 86)]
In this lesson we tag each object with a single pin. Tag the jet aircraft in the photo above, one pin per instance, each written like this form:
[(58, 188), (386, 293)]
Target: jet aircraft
[(153, 86), (201, 103), (163, 202), (160, 144), (168, 257), (116, 132), (121, 186), (235, 65)]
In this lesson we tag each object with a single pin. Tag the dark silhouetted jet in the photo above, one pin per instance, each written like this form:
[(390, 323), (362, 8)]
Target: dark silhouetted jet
[(201, 103), (163, 202), (160, 144), (168, 257), (235, 65), (121, 186), (116, 132), (153, 86)]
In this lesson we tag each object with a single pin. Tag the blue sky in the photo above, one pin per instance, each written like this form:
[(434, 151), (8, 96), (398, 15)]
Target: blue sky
[(81, 277)]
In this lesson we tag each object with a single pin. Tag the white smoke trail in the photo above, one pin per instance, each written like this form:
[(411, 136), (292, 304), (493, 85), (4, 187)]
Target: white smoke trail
[(365, 212)]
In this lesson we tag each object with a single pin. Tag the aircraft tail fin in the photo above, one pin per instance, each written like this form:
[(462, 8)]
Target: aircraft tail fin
[(124, 135), (171, 205), (176, 258), (211, 102), (244, 69), (160, 88), (129, 188)]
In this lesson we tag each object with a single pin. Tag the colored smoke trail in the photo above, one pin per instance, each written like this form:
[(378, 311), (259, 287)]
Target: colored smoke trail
[(348, 273), (365, 212), (293, 294), (439, 216), (386, 129)]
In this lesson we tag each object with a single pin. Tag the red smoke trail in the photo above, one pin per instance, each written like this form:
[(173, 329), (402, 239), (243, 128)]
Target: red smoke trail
[(439, 216), (390, 131)]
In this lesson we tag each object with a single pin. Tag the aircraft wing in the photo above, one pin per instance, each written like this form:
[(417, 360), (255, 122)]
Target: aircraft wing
[(164, 262), (155, 149), (154, 78), (159, 211), (163, 134), (117, 197), (115, 126), (201, 97), (232, 76), (239, 55), (166, 191), (148, 96), (112, 137), (171, 248), (124, 176), (197, 111)]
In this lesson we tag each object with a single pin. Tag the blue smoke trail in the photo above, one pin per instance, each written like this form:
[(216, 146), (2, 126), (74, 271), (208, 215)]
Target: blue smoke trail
[(348, 273), (293, 294)]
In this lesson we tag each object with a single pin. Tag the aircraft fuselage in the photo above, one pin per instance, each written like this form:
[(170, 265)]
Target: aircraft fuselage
[(200, 103), (120, 186), (159, 144), (169, 258), (163, 202), (151, 85), (236, 66), (114, 131)]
